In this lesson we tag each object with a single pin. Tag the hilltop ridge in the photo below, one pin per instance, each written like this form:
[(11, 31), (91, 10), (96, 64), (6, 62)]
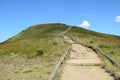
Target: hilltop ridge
[(43, 29), (40, 30)]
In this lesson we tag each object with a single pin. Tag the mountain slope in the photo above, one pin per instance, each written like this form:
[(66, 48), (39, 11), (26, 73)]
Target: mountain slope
[(30, 37), (41, 30), (33, 53), (37, 49)]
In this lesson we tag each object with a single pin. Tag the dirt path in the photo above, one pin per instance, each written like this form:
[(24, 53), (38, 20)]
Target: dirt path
[(83, 64)]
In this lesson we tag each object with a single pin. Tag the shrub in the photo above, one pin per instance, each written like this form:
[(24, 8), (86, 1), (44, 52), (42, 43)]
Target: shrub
[(55, 43), (38, 53)]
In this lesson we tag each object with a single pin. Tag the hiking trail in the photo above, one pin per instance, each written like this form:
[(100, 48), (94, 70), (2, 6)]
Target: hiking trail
[(83, 64)]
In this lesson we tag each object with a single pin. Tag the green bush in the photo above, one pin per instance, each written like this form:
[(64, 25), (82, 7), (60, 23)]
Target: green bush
[(38, 53), (55, 43)]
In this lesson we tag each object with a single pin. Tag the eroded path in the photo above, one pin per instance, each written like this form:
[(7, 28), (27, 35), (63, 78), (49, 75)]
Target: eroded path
[(84, 64)]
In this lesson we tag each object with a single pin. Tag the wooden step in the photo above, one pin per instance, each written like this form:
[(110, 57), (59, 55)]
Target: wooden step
[(84, 62)]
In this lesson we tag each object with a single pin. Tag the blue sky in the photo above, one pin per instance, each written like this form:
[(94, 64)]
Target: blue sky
[(97, 15)]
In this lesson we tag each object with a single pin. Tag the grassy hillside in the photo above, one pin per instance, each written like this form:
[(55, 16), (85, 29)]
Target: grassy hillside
[(110, 44), (33, 53), (30, 39), (40, 31)]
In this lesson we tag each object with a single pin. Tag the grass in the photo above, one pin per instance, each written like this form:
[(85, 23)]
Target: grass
[(42, 30), (32, 54), (110, 44)]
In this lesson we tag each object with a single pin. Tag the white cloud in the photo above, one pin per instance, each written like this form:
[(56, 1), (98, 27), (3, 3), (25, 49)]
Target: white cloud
[(85, 24), (117, 19)]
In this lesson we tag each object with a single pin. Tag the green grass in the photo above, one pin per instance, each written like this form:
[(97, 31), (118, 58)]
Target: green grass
[(110, 44), (42, 30), (33, 53)]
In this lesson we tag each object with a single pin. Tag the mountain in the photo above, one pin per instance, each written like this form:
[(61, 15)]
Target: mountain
[(41, 30), (36, 50)]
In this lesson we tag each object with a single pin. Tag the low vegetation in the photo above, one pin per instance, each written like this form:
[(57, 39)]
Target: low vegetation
[(32, 54), (110, 44)]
